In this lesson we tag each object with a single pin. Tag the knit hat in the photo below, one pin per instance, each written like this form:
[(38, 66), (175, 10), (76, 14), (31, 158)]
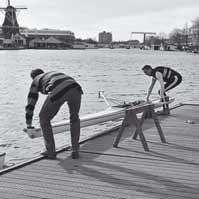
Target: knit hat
[(36, 72)]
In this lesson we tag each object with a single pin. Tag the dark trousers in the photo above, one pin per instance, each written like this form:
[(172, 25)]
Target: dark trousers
[(50, 109), (172, 83)]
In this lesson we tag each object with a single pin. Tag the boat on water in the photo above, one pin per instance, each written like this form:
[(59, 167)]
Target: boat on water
[(112, 113)]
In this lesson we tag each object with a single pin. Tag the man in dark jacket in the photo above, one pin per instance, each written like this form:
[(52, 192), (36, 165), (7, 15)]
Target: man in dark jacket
[(167, 77), (59, 89)]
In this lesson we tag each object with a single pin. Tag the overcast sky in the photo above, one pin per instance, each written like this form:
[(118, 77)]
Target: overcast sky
[(86, 18)]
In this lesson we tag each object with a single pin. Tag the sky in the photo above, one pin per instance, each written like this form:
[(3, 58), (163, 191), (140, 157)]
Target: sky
[(86, 18)]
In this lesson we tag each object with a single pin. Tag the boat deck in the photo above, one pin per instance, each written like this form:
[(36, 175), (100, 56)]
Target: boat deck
[(169, 170)]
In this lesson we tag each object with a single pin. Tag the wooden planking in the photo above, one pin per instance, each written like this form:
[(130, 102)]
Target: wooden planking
[(132, 173), (121, 183), (89, 178), (168, 171), (108, 192), (8, 194), (102, 186), (103, 193)]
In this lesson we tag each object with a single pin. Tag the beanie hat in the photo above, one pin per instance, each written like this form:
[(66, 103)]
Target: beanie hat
[(36, 72), (146, 67)]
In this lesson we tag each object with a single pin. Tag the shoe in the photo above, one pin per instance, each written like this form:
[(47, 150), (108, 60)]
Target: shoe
[(74, 154), (48, 155)]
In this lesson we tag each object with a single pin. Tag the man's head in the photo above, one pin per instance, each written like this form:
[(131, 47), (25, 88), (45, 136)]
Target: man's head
[(147, 70), (36, 72)]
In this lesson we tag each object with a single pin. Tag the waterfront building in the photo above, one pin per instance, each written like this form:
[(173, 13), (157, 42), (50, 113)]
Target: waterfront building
[(170, 47), (50, 43), (78, 45), (194, 36), (16, 41), (48, 38), (14, 37), (134, 44), (90, 45), (105, 37)]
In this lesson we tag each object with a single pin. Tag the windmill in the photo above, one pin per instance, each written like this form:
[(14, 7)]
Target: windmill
[(10, 25)]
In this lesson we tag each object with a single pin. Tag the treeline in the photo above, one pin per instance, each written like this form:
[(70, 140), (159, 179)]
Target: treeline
[(186, 38)]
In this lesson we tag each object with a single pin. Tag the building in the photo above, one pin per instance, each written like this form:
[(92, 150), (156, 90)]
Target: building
[(134, 44), (105, 37), (194, 36), (48, 38), (14, 37), (16, 41), (50, 43)]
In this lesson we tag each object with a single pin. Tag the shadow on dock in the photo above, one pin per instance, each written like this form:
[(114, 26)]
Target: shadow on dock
[(169, 170)]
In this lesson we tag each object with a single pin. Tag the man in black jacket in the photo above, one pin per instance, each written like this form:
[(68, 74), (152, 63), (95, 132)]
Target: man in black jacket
[(59, 89)]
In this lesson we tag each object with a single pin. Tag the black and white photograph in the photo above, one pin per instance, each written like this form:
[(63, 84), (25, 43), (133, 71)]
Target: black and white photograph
[(99, 99)]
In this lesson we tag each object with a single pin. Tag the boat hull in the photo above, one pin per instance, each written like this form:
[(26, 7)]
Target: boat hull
[(110, 114)]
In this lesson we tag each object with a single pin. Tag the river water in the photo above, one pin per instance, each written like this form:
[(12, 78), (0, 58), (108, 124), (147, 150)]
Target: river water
[(117, 72)]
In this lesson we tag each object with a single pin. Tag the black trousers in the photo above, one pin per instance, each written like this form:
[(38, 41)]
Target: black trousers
[(172, 83)]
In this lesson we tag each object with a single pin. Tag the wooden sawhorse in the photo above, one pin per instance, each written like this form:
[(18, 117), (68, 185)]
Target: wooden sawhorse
[(131, 117)]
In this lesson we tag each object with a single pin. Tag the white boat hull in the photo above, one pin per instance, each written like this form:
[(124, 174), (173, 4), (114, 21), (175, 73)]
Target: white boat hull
[(110, 114)]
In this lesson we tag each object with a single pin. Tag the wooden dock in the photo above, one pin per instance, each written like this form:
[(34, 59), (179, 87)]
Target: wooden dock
[(168, 171)]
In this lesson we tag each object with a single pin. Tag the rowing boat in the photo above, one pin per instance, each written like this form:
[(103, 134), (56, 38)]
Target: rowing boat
[(110, 114)]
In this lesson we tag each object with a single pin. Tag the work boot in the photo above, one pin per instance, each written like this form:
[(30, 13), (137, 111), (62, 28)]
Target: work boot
[(48, 155)]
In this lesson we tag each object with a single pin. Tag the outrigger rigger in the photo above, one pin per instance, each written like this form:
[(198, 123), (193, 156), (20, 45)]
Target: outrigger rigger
[(110, 114)]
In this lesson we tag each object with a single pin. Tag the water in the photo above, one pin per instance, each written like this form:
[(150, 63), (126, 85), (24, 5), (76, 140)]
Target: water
[(117, 72)]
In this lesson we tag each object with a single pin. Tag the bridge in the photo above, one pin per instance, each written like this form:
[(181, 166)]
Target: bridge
[(144, 33)]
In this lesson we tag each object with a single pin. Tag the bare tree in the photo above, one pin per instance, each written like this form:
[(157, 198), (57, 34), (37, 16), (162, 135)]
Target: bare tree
[(177, 37)]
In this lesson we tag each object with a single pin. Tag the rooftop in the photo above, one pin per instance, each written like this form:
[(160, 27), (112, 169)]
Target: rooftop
[(46, 32)]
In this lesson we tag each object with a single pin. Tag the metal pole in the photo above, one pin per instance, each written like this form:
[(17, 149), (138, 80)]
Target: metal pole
[(144, 39)]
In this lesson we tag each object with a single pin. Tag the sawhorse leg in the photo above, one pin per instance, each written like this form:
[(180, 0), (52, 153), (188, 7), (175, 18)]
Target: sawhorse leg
[(120, 132), (132, 117), (156, 121), (141, 122)]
